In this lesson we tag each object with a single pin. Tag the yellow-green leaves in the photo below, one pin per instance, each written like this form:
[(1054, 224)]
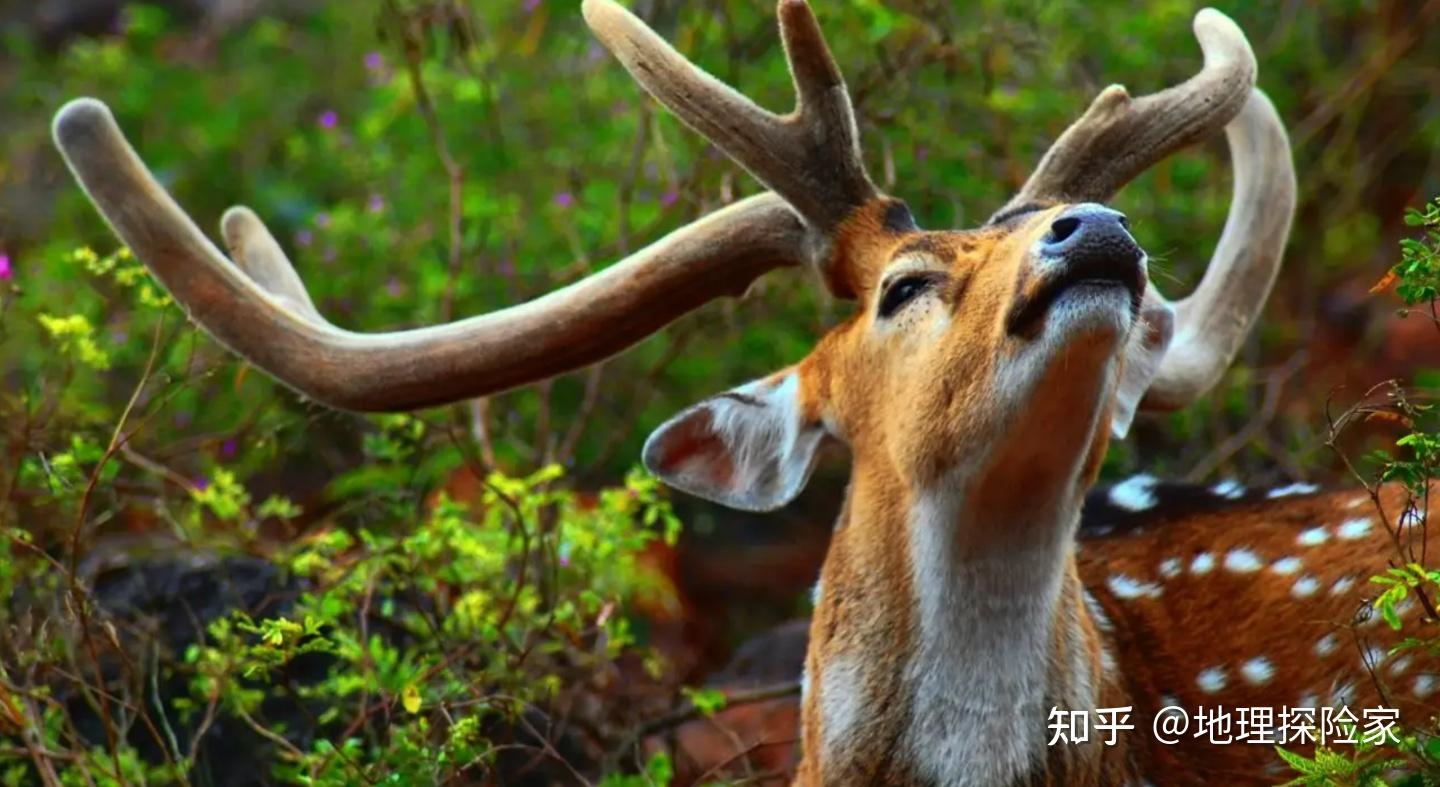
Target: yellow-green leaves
[(75, 338)]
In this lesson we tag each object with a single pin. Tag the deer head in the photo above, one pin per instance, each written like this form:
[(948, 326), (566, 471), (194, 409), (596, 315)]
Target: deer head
[(1035, 329)]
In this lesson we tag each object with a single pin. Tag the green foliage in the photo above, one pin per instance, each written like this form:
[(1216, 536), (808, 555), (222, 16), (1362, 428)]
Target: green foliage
[(1328, 767), (1414, 465), (707, 701), (1419, 268), (658, 773), (452, 622)]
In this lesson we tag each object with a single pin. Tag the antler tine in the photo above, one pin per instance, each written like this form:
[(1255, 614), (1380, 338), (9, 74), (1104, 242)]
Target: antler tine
[(257, 253), (1118, 137), (1213, 321), (260, 310), (811, 157)]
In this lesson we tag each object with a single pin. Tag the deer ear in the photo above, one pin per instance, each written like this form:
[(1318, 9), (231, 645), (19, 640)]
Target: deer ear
[(751, 448), (1148, 344)]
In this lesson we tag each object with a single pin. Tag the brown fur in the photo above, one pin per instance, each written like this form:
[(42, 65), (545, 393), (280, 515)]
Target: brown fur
[(1225, 618)]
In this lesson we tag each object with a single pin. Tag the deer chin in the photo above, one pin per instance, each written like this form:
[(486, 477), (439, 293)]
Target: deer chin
[(1101, 312)]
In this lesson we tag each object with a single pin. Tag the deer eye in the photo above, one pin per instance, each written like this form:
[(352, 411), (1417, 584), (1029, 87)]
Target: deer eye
[(902, 291)]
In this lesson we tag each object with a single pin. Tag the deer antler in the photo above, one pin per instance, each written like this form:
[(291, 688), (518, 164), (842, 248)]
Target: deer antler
[(811, 156), (1213, 321), (259, 308), (1119, 137)]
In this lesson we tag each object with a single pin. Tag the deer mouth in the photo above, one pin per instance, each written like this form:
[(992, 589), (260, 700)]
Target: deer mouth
[(1122, 271)]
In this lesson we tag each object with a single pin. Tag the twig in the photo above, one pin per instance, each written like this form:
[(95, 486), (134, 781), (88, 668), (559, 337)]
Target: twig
[(82, 608), (1232, 445)]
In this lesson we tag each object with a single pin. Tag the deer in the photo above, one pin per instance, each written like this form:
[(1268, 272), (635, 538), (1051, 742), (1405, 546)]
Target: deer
[(976, 385)]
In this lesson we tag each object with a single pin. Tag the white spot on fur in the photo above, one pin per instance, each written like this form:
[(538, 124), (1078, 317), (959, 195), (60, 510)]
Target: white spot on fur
[(1400, 665), (1170, 567), (1129, 587), (1309, 700), (1372, 656), (1134, 494), (1300, 488), (1169, 701), (1411, 517), (1342, 585), (1286, 565), (1242, 561), (1314, 537), (1258, 671), (1097, 612), (1211, 680), (1305, 587), (1352, 529), (817, 593), (1202, 564), (1424, 686), (1326, 645), (804, 684), (1229, 489)]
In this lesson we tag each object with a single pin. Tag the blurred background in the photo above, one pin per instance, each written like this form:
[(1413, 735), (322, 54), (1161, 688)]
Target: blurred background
[(423, 161)]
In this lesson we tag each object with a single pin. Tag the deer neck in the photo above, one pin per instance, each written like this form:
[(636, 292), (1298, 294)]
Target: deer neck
[(1001, 636), (952, 620)]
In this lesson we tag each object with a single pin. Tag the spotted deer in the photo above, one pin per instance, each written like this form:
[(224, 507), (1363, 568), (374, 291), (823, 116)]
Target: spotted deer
[(976, 384)]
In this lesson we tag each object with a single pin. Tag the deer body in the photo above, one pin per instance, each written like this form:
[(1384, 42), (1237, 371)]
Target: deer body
[(1152, 614), (976, 385)]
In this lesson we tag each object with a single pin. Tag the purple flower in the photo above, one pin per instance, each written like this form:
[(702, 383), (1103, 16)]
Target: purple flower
[(227, 448), (328, 119), (565, 199), (377, 203), (394, 287), (322, 220), (507, 267), (329, 256), (6, 271), (304, 238), (531, 5), (201, 485), (922, 153), (669, 198), (374, 61)]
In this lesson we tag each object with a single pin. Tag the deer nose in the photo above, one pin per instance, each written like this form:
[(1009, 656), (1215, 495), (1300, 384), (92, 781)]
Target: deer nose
[(1088, 232)]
